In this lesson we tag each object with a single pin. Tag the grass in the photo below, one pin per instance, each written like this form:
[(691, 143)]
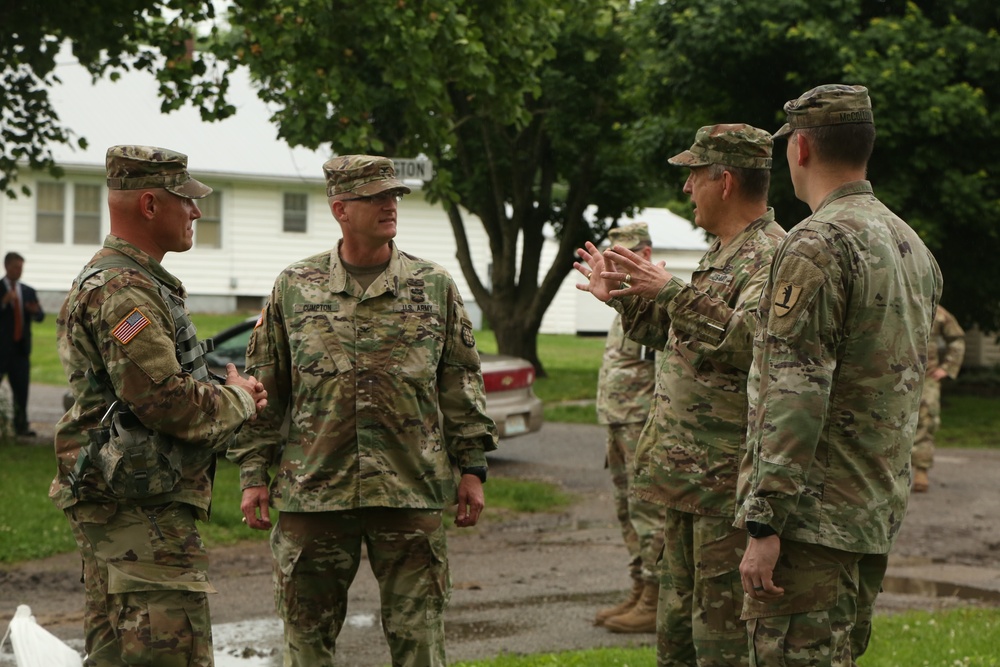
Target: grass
[(955, 638)]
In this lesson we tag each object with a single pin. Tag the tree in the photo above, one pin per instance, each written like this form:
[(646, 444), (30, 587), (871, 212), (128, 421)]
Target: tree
[(517, 103), (932, 69), (106, 37)]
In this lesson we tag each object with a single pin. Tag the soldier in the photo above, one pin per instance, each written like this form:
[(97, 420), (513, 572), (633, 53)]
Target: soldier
[(370, 354), (688, 454), (624, 393), (136, 452), (839, 360), (945, 329)]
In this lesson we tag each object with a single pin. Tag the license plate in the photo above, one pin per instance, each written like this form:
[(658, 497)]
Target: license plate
[(516, 424)]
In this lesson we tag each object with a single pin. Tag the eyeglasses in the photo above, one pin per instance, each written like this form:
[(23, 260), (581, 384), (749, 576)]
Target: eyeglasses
[(380, 199)]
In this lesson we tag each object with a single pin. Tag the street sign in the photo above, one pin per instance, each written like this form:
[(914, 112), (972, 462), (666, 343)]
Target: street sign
[(413, 168)]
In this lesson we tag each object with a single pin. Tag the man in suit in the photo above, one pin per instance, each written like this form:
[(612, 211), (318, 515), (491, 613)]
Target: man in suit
[(18, 308)]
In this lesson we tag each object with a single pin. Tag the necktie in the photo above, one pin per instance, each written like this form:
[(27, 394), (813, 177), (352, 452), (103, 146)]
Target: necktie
[(18, 316)]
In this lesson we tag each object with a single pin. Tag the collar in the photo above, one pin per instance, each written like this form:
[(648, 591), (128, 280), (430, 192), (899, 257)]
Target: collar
[(341, 282), (721, 255), (846, 190)]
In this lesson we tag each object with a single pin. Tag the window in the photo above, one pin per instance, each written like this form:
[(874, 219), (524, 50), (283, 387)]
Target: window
[(86, 214), (208, 229), (295, 212), (50, 209)]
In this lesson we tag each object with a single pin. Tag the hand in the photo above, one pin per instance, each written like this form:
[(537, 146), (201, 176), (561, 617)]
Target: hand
[(938, 374), (470, 501), (254, 506), (757, 568), (8, 297), (592, 268), (250, 384), (642, 277), (32, 307)]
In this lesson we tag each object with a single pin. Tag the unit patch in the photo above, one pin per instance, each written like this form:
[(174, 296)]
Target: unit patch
[(128, 328), (468, 338), (785, 297)]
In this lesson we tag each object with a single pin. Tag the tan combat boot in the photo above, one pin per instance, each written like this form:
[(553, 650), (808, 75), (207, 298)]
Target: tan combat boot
[(920, 480), (641, 617), (621, 607)]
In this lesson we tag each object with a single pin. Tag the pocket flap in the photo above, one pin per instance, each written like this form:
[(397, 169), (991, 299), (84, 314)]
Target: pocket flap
[(128, 577), (815, 590)]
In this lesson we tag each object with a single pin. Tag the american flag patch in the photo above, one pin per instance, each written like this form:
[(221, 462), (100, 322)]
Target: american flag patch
[(130, 326)]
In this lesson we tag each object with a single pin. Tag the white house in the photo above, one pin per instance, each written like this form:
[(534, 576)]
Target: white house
[(268, 210)]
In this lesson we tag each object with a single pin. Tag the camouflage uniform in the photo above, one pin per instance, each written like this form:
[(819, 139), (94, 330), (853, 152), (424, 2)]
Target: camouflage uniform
[(145, 568), (361, 373), (945, 328), (624, 392), (839, 359), (688, 454)]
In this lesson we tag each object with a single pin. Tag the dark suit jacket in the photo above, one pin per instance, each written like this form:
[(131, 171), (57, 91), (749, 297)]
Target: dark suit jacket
[(7, 347)]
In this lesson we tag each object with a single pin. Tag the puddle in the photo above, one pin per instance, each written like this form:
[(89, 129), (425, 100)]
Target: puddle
[(938, 589)]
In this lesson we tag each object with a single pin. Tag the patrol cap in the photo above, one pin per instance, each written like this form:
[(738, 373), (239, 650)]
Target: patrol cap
[(732, 145), (362, 175), (630, 236), (141, 167), (829, 104)]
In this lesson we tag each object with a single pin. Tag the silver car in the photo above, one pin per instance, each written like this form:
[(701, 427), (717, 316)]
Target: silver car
[(510, 399)]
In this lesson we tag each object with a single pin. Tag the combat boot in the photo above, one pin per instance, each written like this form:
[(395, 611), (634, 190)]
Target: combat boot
[(920, 480), (622, 607), (641, 617)]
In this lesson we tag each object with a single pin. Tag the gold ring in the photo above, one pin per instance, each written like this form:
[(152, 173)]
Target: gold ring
[(628, 277), (589, 274), (758, 588), (244, 519)]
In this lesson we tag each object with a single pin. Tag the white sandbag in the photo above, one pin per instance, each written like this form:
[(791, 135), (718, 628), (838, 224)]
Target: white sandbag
[(34, 646)]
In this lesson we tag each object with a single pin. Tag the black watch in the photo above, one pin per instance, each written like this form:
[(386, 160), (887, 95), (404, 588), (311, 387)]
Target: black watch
[(755, 529), (478, 471)]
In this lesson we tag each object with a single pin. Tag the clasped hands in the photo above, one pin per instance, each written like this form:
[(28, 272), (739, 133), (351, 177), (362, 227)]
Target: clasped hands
[(619, 272)]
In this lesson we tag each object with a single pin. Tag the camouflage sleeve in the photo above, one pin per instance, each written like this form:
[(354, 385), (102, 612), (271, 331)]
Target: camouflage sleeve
[(648, 321), (259, 444), (135, 331), (468, 431), (725, 332), (954, 338), (797, 366)]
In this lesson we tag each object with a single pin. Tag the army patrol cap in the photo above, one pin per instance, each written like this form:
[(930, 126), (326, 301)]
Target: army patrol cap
[(142, 167), (732, 145), (630, 236), (362, 175), (829, 104)]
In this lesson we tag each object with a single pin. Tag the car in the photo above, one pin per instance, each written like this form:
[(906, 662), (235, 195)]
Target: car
[(510, 398)]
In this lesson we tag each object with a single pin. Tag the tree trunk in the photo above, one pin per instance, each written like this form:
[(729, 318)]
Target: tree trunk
[(518, 337)]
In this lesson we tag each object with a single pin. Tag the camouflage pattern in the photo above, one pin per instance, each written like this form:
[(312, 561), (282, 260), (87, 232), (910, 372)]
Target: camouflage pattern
[(198, 418), (361, 175), (633, 236), (733, 145), (839, 363), (153, 601), (946, 330), (145, 571), (829, 104), (626, 379), (316, 557), (641, 521), (361, 375), (818, 609), (701, 596), (141, 167), (688, 455)]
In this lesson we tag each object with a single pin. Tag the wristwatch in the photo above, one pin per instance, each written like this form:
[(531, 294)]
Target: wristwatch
[(478, 471), (755, 529)]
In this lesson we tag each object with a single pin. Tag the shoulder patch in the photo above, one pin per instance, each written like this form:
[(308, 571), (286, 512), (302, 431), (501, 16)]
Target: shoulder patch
[(785, 297), (468, 338), (129, 327)]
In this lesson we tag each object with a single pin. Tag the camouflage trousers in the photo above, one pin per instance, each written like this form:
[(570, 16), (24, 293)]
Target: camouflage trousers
[(145, 572), (641, 521), (928, 422), (316, 557), (824, 619), (701, 596)]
